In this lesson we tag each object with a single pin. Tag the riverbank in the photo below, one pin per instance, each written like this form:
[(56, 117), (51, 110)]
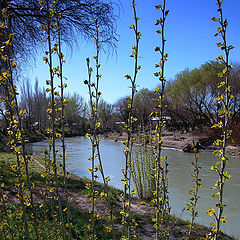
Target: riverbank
[(142, 211), (183, 141), (33, 136)]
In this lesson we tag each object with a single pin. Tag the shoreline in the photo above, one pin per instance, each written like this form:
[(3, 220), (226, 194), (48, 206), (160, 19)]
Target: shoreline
[(80, 201), (179, 142)]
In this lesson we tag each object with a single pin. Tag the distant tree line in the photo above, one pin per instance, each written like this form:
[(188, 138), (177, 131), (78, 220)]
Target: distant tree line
[(24, 20), (190, 99), (35, 101), (192, 96)]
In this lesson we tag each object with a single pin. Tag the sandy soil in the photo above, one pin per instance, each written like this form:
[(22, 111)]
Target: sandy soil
[(180, 141)]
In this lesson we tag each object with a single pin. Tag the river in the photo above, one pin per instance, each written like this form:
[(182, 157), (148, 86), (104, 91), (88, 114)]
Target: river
[(78, 152)]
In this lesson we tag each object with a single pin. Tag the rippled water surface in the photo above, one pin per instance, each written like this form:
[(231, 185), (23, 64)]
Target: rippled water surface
[(78, 151)]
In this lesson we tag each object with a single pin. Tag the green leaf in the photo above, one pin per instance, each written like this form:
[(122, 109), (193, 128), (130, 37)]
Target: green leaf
[(214, 19)]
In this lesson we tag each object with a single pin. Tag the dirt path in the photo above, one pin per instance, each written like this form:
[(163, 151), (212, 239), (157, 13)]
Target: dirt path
[(34, 159), (145, 231)]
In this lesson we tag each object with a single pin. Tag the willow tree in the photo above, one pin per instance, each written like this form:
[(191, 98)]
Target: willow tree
[(26, 18)]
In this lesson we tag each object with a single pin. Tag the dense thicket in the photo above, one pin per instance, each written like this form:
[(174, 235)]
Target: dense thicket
[(77, 114)]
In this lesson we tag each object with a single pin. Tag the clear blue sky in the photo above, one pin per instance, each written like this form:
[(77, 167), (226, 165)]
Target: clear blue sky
[(190, 43)]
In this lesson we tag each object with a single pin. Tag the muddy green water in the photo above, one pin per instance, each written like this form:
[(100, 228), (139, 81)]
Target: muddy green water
[(78, 150)]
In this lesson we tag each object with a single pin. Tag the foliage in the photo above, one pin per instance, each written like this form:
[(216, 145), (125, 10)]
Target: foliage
[(194, 193), (143, 165), (75, 109), (128, 150), (191, 97), (75, 115), (143, 105), (194, 91), (224, 113), (105, 114), (35, 102)]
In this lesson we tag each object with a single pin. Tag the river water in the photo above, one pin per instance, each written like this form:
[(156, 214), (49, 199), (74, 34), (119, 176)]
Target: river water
[(78, 152)]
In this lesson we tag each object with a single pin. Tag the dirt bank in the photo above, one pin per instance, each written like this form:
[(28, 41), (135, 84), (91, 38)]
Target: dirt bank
[(181, 141)]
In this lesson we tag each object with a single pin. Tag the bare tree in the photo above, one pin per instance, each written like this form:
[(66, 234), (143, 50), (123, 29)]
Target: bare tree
[(35, 102), (105, 112), (75, 110), (26, 17)]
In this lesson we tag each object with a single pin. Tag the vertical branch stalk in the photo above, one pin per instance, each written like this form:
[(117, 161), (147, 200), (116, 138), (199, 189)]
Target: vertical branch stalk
[(15, 125), (223, 125), (53, 121), (63, 124), (162, 205), (130, 140), (95, 94), (194, 193), (223, 176)]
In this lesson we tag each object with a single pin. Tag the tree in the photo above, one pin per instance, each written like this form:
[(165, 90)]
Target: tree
[(105, 113), (35, 102), (192, 95), (26, 17), (195, 92), (121, 109), (40, 106), (234, 78), (144, 104), (76, 113)]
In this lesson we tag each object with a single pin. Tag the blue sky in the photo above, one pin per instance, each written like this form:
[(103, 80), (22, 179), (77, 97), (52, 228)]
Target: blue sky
[(190, 43)]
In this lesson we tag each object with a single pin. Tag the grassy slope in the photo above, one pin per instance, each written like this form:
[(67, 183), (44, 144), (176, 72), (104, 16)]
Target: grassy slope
[(47, 225), (76, 185)]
